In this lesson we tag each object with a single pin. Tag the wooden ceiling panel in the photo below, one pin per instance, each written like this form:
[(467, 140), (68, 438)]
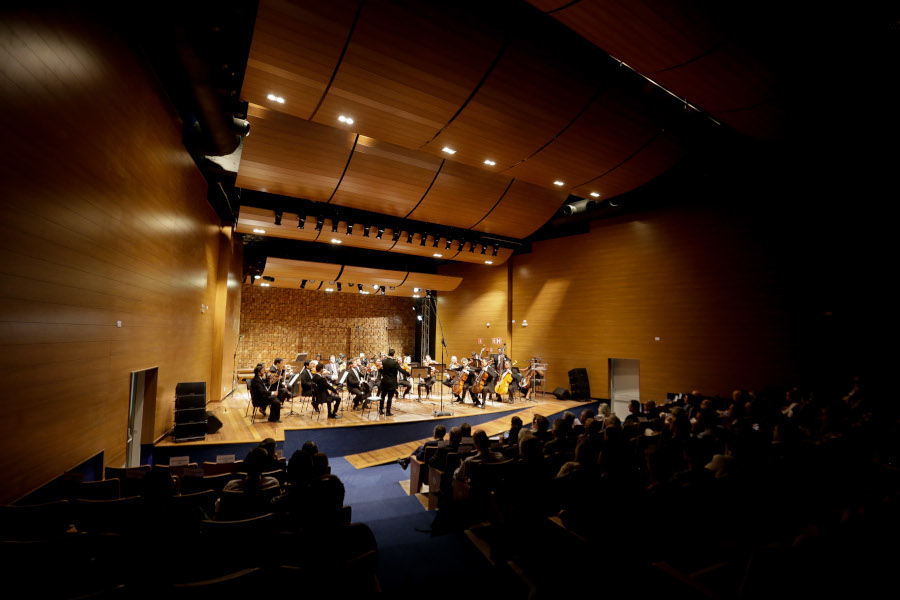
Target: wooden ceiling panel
[(427, 281), (524, 209), (250, 218), (292, 157), (660, 155), (607, 133), (466, 254), (461, 196), (648, 36), (370, 277), (385, 178), (407, 70), (295, 48), (290, 273), (417, 249), (528, 98)]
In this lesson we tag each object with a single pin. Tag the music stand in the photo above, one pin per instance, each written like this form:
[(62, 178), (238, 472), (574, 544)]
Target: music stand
[(290, 386), (420, 372), (301, 357)]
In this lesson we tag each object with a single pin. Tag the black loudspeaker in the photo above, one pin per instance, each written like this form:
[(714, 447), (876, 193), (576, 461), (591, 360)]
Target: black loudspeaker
[(561, 393), (578, 382), (213, 423), (186, 432), (190, 401)]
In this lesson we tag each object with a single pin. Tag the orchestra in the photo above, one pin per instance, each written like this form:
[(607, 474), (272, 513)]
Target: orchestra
[(486, 374)]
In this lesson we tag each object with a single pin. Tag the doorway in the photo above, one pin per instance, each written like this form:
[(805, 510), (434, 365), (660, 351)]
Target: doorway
[(624, 384), (141, 414)]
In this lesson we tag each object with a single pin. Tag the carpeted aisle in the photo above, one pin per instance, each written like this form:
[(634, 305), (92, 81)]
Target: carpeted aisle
[(410, 558)]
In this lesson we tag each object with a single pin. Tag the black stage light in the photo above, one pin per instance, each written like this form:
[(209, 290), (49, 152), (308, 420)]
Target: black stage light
[(449, 241), (268, 278), (366, 229), (396, 236), (483, 248), (496, 249), (302, 284), (339, 286), (278, 215), (320, 221), (472, 247), (334, 224), (382, 290), (461, 244), (349, 228), (409, 237), (424, 239), (437, 240), (380, 233), (302, 221)]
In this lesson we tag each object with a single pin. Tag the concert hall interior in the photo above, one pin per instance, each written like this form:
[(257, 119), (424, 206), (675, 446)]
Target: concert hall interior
[(194, 188)]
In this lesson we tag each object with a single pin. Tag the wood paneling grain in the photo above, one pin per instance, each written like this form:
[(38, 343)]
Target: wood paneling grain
[(689, 277), (105, 219)]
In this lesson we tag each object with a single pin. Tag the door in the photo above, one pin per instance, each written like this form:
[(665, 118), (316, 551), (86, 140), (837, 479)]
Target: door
[(624, 384)]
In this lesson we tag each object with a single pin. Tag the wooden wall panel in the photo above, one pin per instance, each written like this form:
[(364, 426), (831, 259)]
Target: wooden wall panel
[(694, 279), (482, 298), (284, 322), (105, 219)]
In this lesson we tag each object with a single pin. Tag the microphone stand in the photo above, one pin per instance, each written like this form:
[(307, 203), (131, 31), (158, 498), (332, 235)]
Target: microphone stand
[(442, 412)]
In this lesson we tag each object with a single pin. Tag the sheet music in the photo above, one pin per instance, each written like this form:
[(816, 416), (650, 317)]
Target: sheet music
[(344, 377)]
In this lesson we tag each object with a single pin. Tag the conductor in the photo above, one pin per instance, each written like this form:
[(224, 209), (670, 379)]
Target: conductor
[(389, 370)]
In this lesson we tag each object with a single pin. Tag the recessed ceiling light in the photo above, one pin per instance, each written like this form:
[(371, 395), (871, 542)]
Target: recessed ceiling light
[(490, 162), (257, 276), (275, 98), (595, 194), (329, 289), (558, 182), (437, 255), (416, 290), (264, 285), (364, 292), (416, 296), (374, 286), (346, 120), (259, 231), (335, 241), (449, 150), (488, 262)]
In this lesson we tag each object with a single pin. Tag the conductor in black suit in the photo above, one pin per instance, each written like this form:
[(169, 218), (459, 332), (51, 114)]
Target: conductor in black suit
[(261, 397), (389, 369)]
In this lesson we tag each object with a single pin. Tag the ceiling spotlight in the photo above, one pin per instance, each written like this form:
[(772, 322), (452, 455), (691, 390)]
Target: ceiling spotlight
[(449, 241), (320, 221), (335, 241), (339, 286), (346, 120), (364, 292), (382, 290), (269, 278), (302, 284), (437, 255), (496, 249), (278, 215), (488, 262), (595, 194), (259, 231), (437, 240), (490, 162), (349, 228), (380, 233), (359, 286), (424, 239), (558, 182), (449, 150), (366, 229), (461, 244), (472, 247), (483, 248), (334, 224), (409, 237), (302, 221), (350, 284), (419, 317), (396, 236)]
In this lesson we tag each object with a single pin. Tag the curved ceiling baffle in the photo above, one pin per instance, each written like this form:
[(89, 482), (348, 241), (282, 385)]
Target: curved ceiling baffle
[(680, 46), (537, 100), (289, 273)]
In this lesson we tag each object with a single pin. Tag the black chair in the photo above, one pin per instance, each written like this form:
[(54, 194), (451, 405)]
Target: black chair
[(106, 489), (121, 516), (192, 485), (35, 522), (131, 479)]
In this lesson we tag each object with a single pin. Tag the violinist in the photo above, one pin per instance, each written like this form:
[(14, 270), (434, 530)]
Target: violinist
[(332, 370), (305, 378), (276, 380), (262, 397), (363, 361), (327, 394), (355, 382), (403, 377)]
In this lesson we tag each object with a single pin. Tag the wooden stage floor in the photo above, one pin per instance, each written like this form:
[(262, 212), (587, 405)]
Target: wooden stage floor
[(237, 428)]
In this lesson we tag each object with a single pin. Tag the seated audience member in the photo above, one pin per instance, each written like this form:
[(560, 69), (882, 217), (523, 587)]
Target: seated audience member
[(295, 502), (581, 423), (515, 426), (603, 413), (634, 413), (562, 440), (466, 435), (272, 463), (253, 486), (439, 432), (483, 454), (309, 447), (320, 465), (326, 500), (586, 455), (540, 426), (650, 410), (439, 460)]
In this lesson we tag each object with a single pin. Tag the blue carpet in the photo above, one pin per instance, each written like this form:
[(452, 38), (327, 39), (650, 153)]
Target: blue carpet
[(410, 558)]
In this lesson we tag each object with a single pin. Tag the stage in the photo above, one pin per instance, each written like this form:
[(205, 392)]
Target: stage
[(364, 438)]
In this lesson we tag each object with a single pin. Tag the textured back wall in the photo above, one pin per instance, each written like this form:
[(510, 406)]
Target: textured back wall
[(283, 322)]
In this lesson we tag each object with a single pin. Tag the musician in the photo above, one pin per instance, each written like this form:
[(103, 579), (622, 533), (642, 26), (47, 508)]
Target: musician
[(429, 381), (489, 383), (263, 398), (355, 384), (389, 369), (332, 370), (514, 384), (403, 379), (448, 376), (327, 394), (277, 382), (363, 361), (465, 367), (305, 378)]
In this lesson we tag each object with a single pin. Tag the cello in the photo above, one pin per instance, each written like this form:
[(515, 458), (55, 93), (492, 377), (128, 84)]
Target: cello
[(461, 378)]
